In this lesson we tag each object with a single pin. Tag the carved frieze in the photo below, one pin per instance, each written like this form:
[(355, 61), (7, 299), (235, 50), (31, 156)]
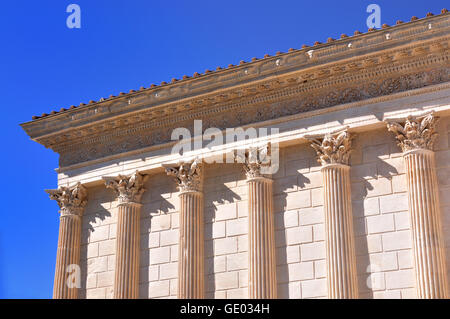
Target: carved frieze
[(128, 188), (188, 175), (71, 200), (332, 148), (414, 132), (262, 107)]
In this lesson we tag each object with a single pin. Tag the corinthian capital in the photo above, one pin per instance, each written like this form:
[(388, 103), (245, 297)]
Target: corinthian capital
[(255, 159), (414, 132), (332, 148), (188, 175), (129, 188), (71, 200)]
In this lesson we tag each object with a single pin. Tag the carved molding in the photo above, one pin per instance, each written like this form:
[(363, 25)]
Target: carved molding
[(254, 159), (332, 148), (260, 107), (188, 175), (71, 200), (407, 34), (414, 132), (128, 188), (372, 67)]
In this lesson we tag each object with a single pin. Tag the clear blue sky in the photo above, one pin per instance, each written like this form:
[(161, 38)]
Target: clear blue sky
[(123, 45)]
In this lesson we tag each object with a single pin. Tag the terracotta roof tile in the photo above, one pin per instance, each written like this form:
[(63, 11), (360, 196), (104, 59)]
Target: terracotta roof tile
[(196, 74)]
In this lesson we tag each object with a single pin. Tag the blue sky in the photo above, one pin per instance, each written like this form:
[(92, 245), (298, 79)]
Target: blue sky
[(124, 45)]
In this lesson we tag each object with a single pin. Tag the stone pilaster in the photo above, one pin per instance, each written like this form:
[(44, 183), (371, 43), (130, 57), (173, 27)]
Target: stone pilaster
[(71, 201), (191, 272), (333, 151), (415, 136), (129, 190), (262, 260)]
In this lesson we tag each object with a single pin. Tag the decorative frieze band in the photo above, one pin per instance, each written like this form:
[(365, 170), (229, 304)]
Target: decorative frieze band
[(279, 102)]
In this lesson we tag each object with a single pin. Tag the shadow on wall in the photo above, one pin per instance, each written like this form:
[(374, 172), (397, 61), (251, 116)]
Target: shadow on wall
[(217, 176), (280, 189), (368, 164), (96, 212), (161, 191)]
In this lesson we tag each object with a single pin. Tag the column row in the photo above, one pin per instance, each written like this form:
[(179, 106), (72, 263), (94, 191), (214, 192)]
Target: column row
[(415, 136)]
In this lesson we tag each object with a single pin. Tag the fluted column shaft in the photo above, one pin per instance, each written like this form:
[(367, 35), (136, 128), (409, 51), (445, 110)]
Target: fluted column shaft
[(333, 151), (68, 253), (126, 281), (415, 135), (262, 261), (129, 190), (340, 247), (428, 244), (71, 201), (191, 271)]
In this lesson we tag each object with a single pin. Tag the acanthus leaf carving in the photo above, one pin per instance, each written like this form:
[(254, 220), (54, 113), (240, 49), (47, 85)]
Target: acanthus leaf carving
[(254, 160), (332, 148), (414, 132), (128, 188), (71, 200), (188, 175)]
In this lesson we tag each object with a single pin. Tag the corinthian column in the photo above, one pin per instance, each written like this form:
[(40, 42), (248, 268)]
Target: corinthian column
[(415, 136), (333, 151), (191, 271), (71, 201), (129, 190), (262, 261)]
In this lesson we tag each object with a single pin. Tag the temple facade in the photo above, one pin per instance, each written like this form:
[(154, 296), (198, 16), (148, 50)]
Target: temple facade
[(322, 172)]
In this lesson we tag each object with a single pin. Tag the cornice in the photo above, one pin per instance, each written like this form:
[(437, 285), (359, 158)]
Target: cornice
[(287, 78)]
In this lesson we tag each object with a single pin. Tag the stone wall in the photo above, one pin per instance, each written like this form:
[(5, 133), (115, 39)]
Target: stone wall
[(381, 226)]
